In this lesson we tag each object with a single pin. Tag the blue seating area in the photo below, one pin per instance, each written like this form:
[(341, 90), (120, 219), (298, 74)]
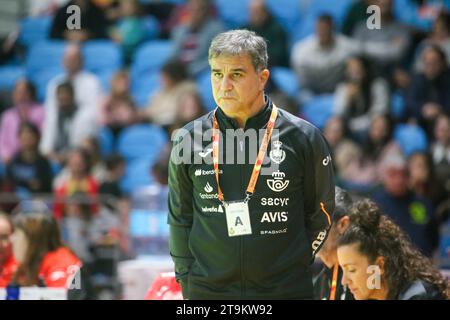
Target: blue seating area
[(411, 138), (141, 141), (318, 110), (9, 76), (34, 30)]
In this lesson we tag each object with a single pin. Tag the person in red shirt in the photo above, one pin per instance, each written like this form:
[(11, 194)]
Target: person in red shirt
[(79, 179), (44, 259), (8, 265)]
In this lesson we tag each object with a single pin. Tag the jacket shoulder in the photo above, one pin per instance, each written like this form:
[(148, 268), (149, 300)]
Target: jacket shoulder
[(301, 125), (420, 290)]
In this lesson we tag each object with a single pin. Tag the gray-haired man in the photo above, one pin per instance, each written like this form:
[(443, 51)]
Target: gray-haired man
[(247, 229)]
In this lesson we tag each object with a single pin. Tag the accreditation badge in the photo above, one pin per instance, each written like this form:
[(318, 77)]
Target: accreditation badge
[(238, 218)]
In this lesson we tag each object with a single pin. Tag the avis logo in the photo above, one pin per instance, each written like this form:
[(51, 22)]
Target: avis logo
[(274, 217), (277, 184)]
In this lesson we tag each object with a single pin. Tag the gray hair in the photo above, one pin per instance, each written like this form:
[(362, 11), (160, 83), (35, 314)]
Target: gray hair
[(237, 42)]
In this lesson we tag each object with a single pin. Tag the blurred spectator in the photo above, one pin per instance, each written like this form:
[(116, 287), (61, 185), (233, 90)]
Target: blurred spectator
[(92, 146), (98, 169), (25, 109), (319, 59), (44, 7), (440, 150), (67, 127), (361, 96), (44, 260), (79, 179), (115, 166), (412, 213), (164, 105), (76, 227), (86, 92), (130, 30), (29, 170), (9, 46), (440, 36), (92, 22), (83, 231), (8, 264), (355, 14), (388, 45), (191, 41), (429, 93), (345, 153), (117, 110), (262, 22), (422, 179), (190, 107), (181, 15), (363, 166)]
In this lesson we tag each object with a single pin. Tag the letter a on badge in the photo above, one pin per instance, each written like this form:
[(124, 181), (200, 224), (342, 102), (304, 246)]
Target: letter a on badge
[(238, 222)]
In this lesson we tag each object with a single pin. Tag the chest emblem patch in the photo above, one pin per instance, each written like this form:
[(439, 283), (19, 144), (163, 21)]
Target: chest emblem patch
[(276, 154), (278, 183)]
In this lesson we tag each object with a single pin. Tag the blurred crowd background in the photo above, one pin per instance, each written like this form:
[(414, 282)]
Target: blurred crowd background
[(87, 114)]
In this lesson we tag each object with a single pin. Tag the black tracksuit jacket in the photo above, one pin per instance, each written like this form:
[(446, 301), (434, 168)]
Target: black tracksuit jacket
[(289, 211)]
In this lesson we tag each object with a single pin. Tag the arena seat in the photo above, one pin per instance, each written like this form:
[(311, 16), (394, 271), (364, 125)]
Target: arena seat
[(141, 141), (44, 61), (318, 110), (143, 87), (137, 174), (9, 76), (234, 13), (286, 80), (34, 30), (101, 55), (151, 56), (287, 12), (204, 86), (411, 138)]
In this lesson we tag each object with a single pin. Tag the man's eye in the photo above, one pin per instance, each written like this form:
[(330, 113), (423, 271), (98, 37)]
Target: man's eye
[(218, 75), (237, 75)]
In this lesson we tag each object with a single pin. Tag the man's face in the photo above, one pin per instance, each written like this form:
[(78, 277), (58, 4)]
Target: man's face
[(396, 181), (258, 12), (72, 60), (432, 65), (324, 31), (236, 85), (5, 240), (65, 99)]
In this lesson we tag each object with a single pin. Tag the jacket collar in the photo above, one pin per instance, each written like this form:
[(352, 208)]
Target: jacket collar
[(258, 121)]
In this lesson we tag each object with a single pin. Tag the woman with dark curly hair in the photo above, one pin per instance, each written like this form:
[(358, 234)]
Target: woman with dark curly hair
[(379, 262)]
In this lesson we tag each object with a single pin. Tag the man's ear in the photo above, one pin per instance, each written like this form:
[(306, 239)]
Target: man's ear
[(263, 77), (343, 224)]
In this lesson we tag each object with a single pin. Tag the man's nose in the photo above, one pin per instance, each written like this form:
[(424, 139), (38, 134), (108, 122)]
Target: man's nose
[(226, 84)]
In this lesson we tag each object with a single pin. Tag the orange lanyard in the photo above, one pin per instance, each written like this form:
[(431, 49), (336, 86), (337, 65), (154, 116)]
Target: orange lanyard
[(334, 282), (259, 158)]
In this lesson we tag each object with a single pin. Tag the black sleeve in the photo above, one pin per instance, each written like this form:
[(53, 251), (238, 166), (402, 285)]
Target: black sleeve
[(180, 215), (45, 175), (319, 189)]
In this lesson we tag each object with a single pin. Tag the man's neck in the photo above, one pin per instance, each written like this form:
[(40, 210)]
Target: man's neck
[(241, 117)]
